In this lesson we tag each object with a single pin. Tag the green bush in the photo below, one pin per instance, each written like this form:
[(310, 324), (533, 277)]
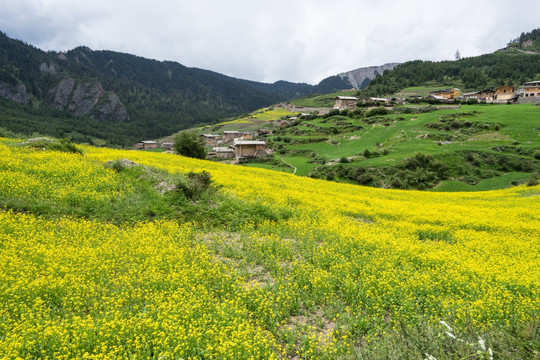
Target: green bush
[(189, 144)]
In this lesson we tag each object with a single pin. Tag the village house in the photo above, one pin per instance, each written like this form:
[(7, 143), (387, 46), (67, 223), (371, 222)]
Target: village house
[(232, 134), (447, 94), (144, 145), (504, 93), (248, 148), (247, 136), (487, 95), (345, 102), (210, 139)]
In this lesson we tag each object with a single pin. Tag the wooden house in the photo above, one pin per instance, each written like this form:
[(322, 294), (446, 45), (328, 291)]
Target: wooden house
[(248, 148), (345, 102)]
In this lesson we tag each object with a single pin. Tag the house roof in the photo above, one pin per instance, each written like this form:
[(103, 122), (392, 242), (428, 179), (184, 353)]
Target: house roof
[(532, 83), (346, 98), (377, 99), (249, 142), (231, 132), (223, 149), (148, 142), (210, 135)]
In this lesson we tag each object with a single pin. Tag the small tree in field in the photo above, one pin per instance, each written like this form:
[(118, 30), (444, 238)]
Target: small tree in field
[(189, 144)]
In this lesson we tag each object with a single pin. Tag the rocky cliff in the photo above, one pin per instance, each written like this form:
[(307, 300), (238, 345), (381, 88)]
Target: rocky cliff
[(16, 93), (86, 97)]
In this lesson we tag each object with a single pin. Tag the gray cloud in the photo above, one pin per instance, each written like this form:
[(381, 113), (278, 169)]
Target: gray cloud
[(295, 40)]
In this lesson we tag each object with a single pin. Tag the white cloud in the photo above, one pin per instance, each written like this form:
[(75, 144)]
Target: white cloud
[(295, 40)]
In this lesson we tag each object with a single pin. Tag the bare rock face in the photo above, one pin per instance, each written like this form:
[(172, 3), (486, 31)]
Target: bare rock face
[(111, 110), (62, 93), (85, 96), (47, 68), (16, 93)]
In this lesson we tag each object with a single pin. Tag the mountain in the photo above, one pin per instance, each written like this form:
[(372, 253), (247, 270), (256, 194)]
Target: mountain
[(117, 99), (361, 77)]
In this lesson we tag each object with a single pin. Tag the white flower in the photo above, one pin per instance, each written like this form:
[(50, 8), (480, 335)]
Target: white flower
[(429, 357), (450, 334), (490, 354), (447, 326), (482, 343)]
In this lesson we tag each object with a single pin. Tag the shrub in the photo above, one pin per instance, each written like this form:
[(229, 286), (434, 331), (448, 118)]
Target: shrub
[(377, 112), (189, 144), (194, 185)]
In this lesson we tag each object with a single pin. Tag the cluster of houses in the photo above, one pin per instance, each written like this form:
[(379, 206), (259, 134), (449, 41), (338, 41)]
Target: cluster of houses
[(234, 144), (529, 92)]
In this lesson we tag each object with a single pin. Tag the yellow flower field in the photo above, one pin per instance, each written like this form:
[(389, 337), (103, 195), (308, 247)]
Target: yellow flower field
[(350, 266)]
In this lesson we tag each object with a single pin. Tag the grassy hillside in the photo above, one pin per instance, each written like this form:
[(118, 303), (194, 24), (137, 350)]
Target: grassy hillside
[(415, 146), (169, 257)]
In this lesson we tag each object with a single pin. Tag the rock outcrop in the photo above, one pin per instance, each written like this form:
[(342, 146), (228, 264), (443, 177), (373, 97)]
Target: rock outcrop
[(111, 110), (62, 93), (85, 96), (88, 98), (16, 93)]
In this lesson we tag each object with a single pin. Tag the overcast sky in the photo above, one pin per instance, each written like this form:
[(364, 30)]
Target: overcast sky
[(294, 40)]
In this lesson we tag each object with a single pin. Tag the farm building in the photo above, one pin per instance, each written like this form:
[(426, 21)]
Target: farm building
[(144, 145), (210, 139), (345, 102), (249, 148)]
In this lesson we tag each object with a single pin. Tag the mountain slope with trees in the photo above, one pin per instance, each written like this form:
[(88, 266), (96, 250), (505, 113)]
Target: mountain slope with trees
[(507, 66)]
